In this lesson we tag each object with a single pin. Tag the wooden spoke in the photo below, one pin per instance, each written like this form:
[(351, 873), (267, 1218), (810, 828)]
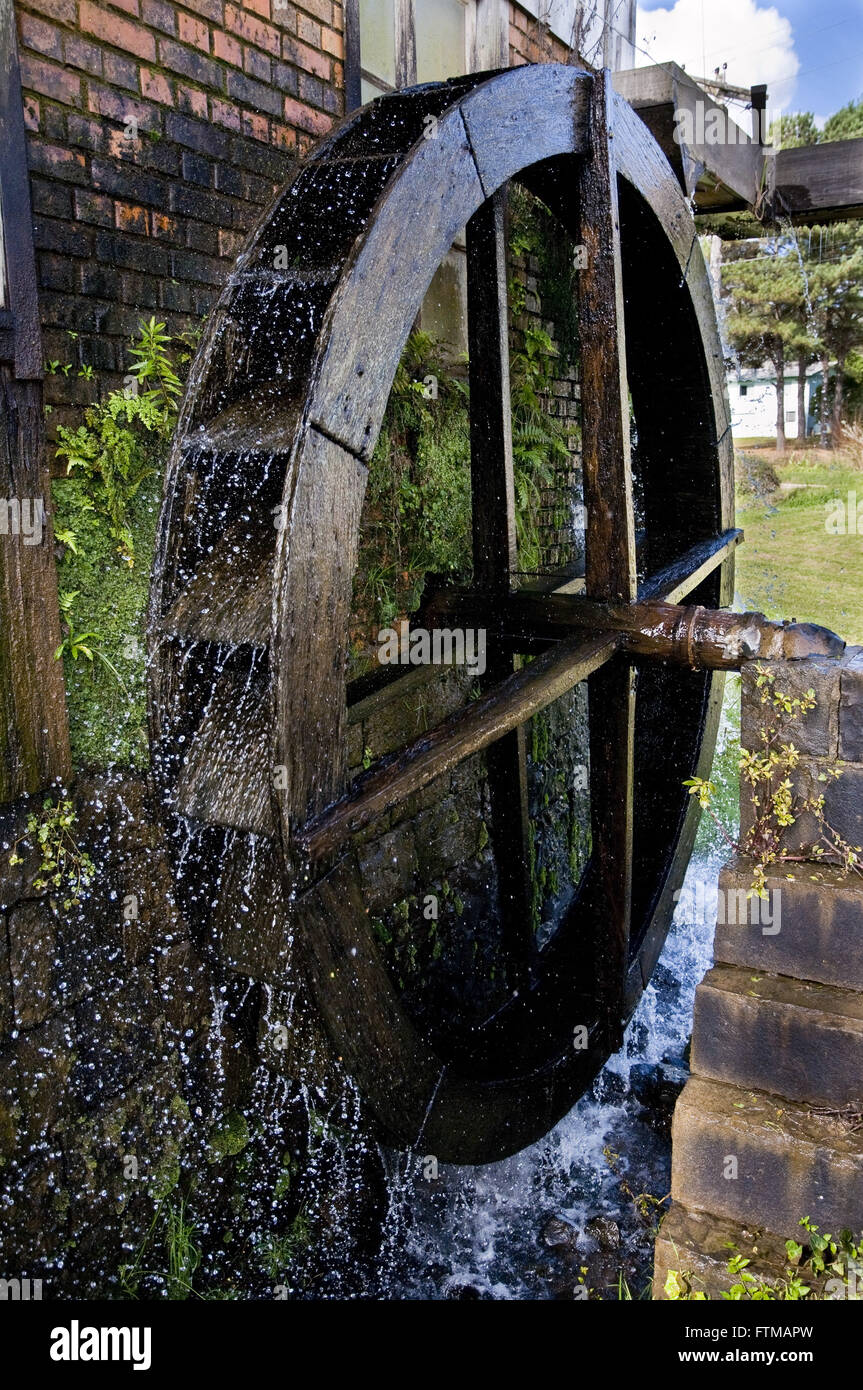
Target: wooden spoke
[(611, 703), (675, 581), (494, 552), (610, 566), (610, 571), (492, 490), (468, 731)]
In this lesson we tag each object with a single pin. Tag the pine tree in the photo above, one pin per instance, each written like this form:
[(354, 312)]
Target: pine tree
[(766, 317), (833, 258)]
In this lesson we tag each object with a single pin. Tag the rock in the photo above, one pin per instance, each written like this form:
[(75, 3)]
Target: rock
[(463, 1291), (604, 1231), (609, 1088), (656, 1086), (559, 1234)]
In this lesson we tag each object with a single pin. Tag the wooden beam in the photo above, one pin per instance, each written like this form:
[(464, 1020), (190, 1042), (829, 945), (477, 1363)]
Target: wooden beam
[(685, 119), (675, 581), (817, 183), (34, 743), (610, 566), (464, 733), (492, 489), (704, 638), (611, 561), (495, 554)]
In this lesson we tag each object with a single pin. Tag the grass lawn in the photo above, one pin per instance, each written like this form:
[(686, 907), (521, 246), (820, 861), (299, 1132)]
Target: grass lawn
[(789, 566)]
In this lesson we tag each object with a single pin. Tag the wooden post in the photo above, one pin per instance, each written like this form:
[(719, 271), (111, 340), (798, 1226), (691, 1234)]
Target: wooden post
[(34, 733)]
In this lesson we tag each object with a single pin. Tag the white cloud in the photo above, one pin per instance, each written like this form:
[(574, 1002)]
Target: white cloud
[(755, 41)]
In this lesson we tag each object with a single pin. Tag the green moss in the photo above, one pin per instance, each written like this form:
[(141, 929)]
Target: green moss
[(107, 723), (231, 1139)]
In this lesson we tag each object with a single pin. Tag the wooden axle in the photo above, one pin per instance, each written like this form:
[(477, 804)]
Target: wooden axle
[(689, 635)]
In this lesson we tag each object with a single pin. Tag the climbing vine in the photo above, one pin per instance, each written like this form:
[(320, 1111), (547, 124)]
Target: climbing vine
[(776, 805)]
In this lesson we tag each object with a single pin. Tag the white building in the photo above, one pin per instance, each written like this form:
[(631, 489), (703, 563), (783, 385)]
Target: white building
[(752, 398)]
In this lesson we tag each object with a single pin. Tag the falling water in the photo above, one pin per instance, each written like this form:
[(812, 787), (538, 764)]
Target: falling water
[(521, 1229)]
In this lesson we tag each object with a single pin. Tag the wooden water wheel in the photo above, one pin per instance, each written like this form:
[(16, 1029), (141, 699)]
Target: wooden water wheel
[(249, 619)]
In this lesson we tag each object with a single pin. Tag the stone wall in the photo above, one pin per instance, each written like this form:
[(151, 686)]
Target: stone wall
[(769, 1129), (135, 1093)]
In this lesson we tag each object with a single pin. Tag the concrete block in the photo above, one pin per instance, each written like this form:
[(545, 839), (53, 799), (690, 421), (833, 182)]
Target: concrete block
[(794, 1038), (696, 1245), (762, 1161), (820, 919), (851, 707), (815, 733)]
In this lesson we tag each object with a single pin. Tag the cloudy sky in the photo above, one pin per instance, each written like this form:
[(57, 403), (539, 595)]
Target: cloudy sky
[(809, 52)]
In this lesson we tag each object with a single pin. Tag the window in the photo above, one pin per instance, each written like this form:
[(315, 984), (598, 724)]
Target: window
[(744, 390), (441, 39), (790, 417), (397, 43), (377, 25)]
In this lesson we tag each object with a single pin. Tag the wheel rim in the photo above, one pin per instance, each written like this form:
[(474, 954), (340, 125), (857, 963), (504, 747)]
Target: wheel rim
[(305, 426)]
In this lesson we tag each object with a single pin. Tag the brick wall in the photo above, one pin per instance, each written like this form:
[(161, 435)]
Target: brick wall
[(157, 131), (530, 41)]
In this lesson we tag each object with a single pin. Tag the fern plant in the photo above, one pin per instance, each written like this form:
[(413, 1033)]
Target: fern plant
[(116, 445)]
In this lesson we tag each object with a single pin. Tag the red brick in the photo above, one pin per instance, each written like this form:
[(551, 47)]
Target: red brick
[(162, 226), (156, 87), (282, 136), (226, 114), (308, 30), (132, 7), (213, 10), (130, 218), (285, 14), (63, 164), (119, 107), (253, 30), (331, 42), (192, 102), (261, 7), (257, 64), (43, 38), (31, 113), (305, 118), (194, 31), (122, 33), (321, 9), (228, 49), (93, 207), (79, 53), (257, 126), (51, 81), (306, 58), (230, 243), (63, 10)]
